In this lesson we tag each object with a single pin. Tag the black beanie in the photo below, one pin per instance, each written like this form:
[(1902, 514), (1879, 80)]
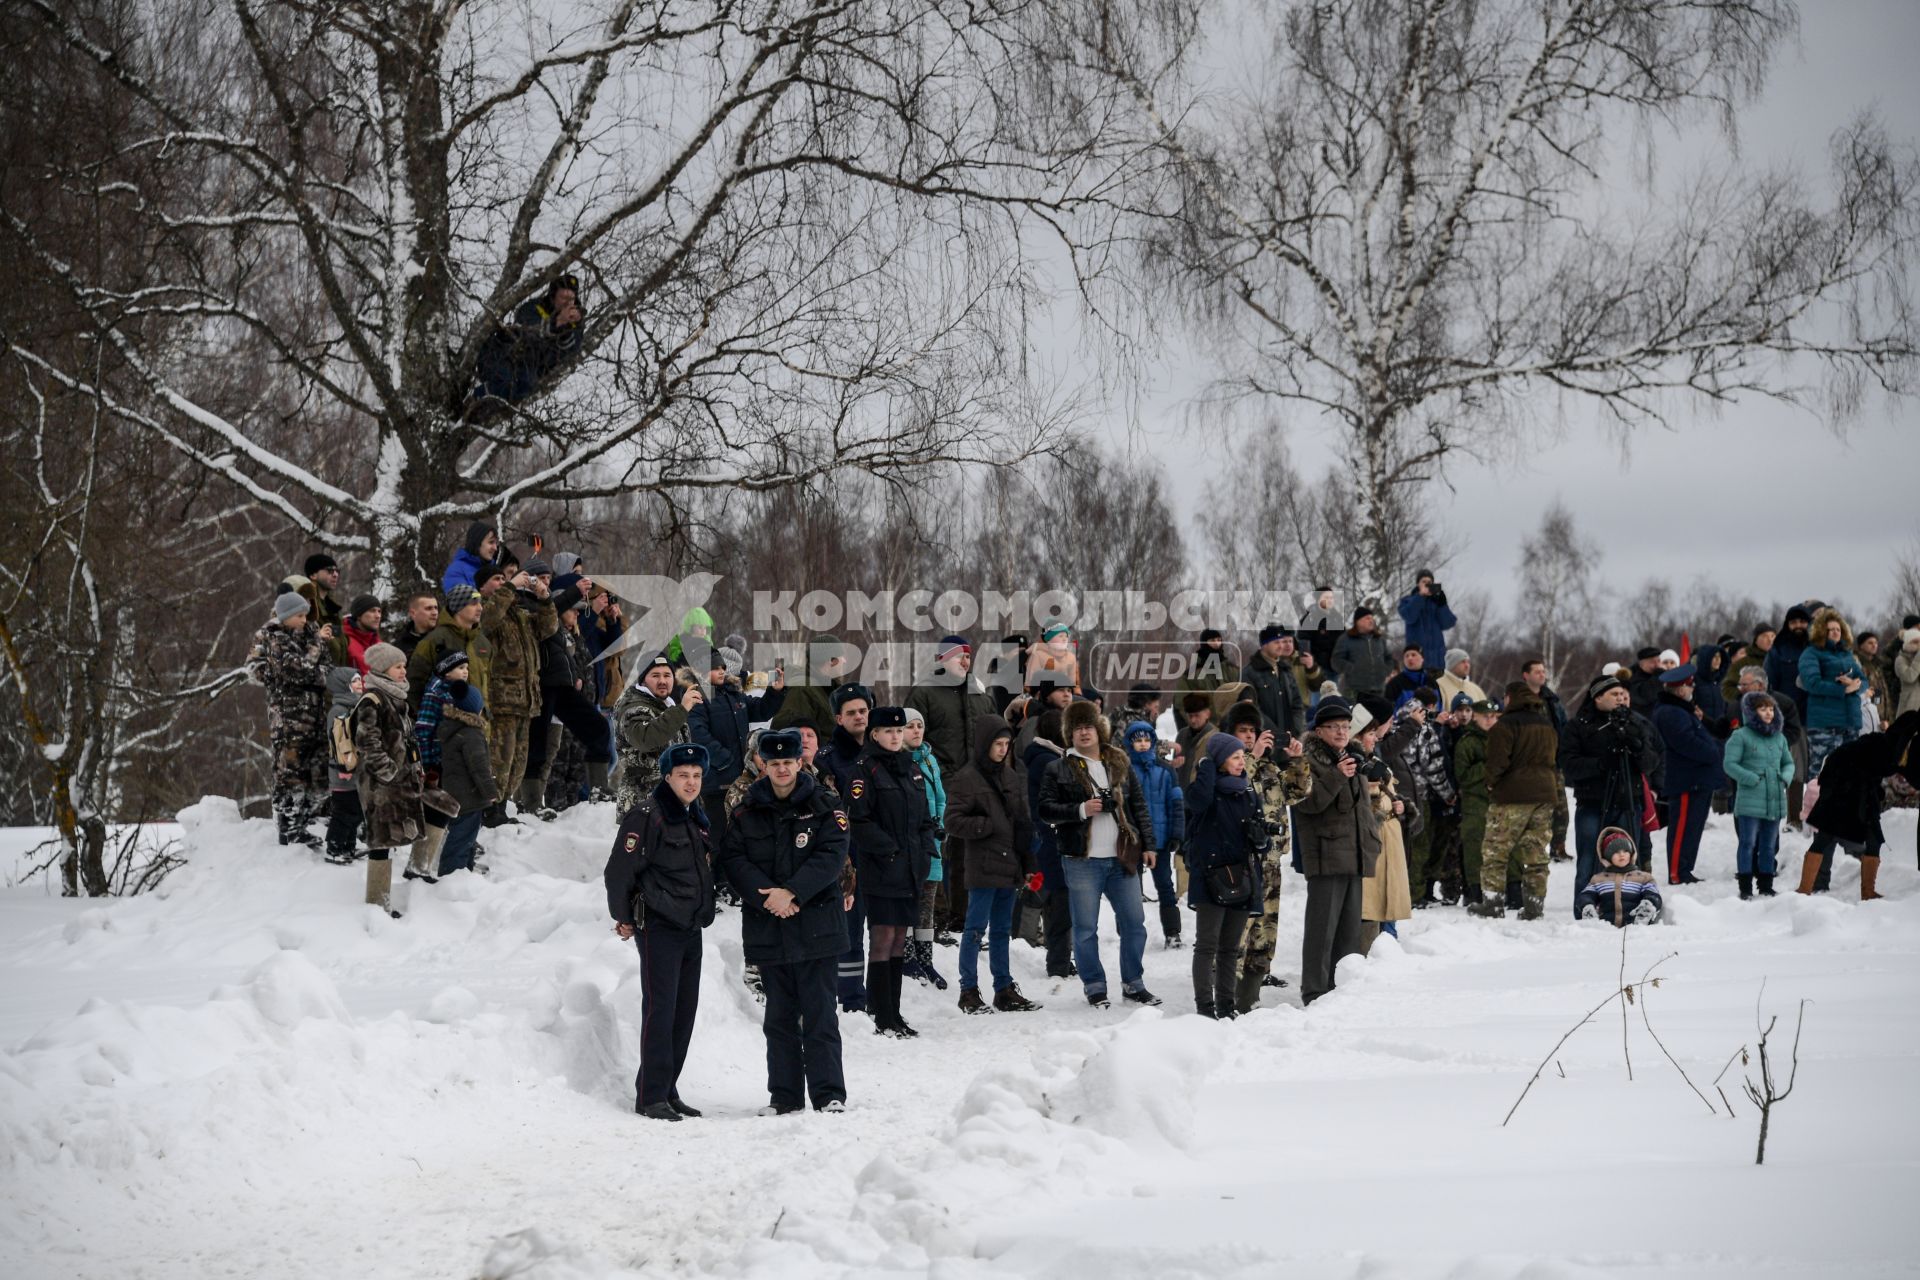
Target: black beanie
[(362, 603), (316, 562)]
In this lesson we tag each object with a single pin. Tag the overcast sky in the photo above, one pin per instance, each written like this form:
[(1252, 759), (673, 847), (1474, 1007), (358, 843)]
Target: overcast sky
[(1818, 513)]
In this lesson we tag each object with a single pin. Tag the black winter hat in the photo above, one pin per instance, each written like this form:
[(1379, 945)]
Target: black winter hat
[(476, 534), (781, 745), (362, 603), (1379, 708), (888, 718), (1801, 612), (683, 753), (1275, 631), (1210, 633), (536, 566), (1361, 612), (316, 562), (458, 658), (1648, 652), (1331, 709), (1764, 628), (843, 694), (1241, 713), (1421, 573)]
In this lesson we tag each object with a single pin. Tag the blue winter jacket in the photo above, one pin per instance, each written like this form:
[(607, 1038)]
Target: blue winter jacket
[(1218, 837), (461, 569), (1428, 621), (720, 723), (1783, 672), (1693, 761), (1161, 788), (1829, 705)]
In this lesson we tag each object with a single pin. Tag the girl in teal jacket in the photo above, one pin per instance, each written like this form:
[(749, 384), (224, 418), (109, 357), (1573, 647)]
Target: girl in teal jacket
[(1761, 766)]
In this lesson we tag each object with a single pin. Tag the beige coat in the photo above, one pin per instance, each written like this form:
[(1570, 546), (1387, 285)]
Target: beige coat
[(1387, 894)]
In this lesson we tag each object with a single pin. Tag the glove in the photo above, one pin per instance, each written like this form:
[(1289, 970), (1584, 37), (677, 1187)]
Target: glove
[(1646, 913), (937, 872), (1036, 882)]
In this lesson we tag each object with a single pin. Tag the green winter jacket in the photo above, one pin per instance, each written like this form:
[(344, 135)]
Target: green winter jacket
[(1760, 765)]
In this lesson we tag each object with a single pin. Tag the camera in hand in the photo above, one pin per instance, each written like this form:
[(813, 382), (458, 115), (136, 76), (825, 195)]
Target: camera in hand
[(1374, 769), (1105, 796)]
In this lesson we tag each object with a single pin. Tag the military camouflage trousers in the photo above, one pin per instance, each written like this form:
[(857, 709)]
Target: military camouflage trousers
[(299, 782), (1516, 849), (1263, 928), (507, 753)]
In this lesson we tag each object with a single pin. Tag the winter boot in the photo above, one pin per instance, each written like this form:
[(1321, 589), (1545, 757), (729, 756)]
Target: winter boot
[(1532, 908), (1011, 1001), (380, 882), (1273, 980), (424, 862), (853, 992), (1809, 872), (896, 980), (970, 1001), (533, 800), (1246, 993), (1205, 1010), (1746, 886), (1766, 885), (918, 964), (1471, 894), (1869, 872), (1495, 910), (877, 1005), (340, 854), (497, 816), (1516, 896), (599, 789)]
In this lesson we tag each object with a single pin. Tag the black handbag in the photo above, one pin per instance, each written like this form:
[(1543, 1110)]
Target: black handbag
[(1230, 885)]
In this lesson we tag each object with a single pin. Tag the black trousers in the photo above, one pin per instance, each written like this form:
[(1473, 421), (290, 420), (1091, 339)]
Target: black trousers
[(802, 1023), (1332, 931), (1059, 917), (1216, 954), (669, 999), (583, 720)]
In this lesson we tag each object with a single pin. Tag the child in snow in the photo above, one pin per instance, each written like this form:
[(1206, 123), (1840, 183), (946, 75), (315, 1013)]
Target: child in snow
[(1617, 891), (343, 795)]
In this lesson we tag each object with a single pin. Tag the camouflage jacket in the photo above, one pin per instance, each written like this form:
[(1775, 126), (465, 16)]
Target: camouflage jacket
[(646, 726), (516, 622), (1280, 786), (1421, 751), (292, 666)]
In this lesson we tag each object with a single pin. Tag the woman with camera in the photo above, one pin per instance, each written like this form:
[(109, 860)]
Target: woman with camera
[(1226, 839)]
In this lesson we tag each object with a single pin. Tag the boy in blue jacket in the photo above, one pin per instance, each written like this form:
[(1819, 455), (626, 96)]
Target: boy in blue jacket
[(1168, 807)]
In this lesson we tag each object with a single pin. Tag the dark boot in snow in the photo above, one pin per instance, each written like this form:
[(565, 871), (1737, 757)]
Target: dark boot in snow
[(1496, 910), (1766, 886), (1011, 1001), (1516, 897), (970, 1001), (877, 998), (895, 981), (1272, 980), (918, 964), (1746, 886)]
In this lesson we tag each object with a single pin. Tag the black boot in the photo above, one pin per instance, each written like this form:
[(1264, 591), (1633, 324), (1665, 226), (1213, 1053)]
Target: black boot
[(1516, 896), (1746, 886), (1766, 885), (896, 979), (877, 1003)]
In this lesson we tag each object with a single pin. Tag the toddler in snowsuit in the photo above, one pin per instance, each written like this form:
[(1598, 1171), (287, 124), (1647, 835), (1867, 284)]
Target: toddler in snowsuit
[(1618, 892)]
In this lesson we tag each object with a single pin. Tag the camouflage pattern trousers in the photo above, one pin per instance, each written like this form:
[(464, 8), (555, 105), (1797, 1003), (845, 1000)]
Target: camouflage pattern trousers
[(1263, 928), (1516, 849), (507, 753), (299, 781)]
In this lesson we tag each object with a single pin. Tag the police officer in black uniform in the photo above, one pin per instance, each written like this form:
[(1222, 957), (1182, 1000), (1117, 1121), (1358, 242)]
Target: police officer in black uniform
[(784, 851), (660, 891), (893, 840)]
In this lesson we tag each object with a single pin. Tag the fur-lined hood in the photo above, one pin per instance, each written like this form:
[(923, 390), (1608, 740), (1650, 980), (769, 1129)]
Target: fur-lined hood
[(1750, 713), (1817, 634)]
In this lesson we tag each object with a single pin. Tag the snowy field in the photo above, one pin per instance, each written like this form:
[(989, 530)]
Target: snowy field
[(251, 1074)]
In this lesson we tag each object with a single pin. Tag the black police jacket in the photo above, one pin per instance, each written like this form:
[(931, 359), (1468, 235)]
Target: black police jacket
[(798, 844)]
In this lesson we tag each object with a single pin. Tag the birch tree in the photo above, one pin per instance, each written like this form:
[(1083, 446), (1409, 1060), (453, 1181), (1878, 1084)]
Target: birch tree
[(1392, 212), (1556, 577), (799, 228)]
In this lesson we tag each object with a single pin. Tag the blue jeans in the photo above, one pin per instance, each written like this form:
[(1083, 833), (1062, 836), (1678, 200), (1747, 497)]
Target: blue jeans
[(1088, 881), (989, 910), (1759, 842), (463, 833), (1588, 822)]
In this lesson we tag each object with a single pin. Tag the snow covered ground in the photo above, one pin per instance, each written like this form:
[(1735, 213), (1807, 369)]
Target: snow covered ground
[(251, 1074)]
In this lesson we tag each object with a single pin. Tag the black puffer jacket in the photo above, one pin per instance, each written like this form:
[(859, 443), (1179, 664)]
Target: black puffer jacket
[(1604, 757), (987, 824), (660, 858), (893, 834), (798, 844)]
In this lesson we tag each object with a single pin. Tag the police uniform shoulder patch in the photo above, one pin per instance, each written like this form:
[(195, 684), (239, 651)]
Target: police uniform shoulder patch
[(800, 839), (858, 788), (633, 841), (840, 818)]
